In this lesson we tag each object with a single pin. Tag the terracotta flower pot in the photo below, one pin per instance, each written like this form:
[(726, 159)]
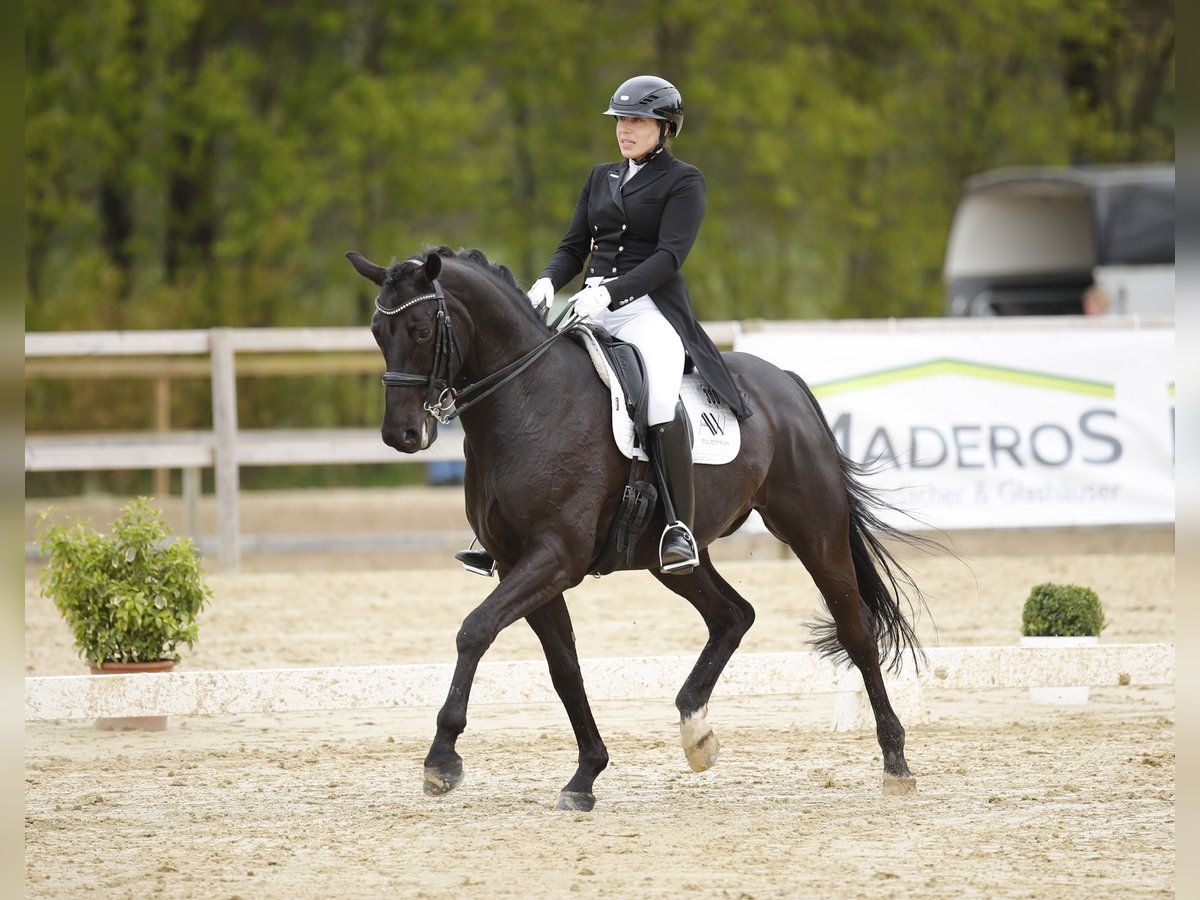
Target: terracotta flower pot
[(133, 723)]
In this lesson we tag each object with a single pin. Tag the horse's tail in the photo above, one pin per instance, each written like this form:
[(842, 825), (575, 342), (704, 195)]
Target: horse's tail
[(883, 582)]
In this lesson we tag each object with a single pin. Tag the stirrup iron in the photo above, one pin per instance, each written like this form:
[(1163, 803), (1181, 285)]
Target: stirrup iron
[(480, 562), (684, 558)]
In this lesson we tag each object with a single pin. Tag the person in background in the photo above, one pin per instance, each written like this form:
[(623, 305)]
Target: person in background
[(637, 220), (1096, 301)]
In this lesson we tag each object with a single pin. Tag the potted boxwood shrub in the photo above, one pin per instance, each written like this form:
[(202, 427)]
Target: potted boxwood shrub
[(1058, 615), (130, 598)]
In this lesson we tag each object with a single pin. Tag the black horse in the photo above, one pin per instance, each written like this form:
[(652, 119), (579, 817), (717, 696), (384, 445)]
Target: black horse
[(544, 479)]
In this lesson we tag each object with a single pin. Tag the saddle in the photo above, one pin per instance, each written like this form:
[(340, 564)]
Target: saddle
[(621, 368), (624, 372), (716, 433)]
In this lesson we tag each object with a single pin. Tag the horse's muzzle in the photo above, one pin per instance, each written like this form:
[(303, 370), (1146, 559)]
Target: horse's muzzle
[(411, 440)]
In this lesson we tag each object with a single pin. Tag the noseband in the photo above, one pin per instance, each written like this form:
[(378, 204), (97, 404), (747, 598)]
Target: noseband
[(442, 401)]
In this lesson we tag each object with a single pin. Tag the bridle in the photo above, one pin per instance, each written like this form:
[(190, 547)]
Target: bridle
[(439, 402), (443, 402)]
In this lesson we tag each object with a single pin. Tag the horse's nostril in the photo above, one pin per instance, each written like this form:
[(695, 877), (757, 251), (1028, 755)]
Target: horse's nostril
[(396, 439), (406, 440)]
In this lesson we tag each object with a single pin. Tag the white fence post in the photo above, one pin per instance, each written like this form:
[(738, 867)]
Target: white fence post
[(225, 467), (190, 485), (852, 709)]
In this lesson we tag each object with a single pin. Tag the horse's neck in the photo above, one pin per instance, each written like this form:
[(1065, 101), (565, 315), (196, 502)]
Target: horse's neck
[(502, 337)]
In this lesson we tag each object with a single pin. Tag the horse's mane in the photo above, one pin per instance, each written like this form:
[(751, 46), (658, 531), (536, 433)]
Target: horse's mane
[(479, 259), (499, 275)]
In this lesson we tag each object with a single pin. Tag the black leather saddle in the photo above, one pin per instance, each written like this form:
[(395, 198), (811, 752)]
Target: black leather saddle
[(626, 360), (640, 495)]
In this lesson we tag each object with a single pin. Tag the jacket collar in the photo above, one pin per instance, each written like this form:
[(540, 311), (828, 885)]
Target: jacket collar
[(651, 171)]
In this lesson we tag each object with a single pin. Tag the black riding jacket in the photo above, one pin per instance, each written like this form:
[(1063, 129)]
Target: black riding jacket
[(639, 236)]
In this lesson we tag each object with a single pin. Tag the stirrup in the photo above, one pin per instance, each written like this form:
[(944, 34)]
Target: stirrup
[(684, 565), (479, 562)]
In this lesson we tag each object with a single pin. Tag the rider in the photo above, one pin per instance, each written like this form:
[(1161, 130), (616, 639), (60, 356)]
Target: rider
[(638, 218)]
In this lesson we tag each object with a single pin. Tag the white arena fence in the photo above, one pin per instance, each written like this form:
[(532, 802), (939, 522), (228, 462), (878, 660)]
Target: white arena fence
[(159, 357), (1134, 485), (269, 691), (221, 354)]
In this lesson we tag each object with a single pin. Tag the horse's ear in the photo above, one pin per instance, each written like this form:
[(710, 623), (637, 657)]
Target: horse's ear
[(433, 266), (366, 268)]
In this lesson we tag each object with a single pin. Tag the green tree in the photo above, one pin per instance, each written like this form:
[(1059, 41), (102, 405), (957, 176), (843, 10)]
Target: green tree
[(192, 163)]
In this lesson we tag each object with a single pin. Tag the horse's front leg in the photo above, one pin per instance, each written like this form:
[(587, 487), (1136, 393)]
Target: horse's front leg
[(552, 624), (728, 617), (531, 584)]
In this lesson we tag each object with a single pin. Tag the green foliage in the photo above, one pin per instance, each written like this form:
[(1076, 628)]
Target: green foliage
[(207, 162), (132, 596), (1062, 610), (198, 163)]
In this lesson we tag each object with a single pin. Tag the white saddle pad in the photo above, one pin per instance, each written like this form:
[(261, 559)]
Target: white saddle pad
[(716, 433)]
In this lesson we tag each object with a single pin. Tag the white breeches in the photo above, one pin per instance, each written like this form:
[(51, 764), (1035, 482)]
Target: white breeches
[(640, 323)]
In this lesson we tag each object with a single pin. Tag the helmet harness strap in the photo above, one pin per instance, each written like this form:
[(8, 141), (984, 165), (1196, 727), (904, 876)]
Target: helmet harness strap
[(663, 128)]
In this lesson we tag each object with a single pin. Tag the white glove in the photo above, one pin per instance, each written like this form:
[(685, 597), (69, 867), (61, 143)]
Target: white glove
[(591, 301), (541, 293)]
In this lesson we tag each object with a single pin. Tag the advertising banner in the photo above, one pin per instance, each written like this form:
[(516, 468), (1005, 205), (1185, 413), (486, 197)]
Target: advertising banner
[(998, 427)]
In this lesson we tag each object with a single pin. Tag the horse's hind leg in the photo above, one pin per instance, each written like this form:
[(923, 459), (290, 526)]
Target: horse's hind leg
[(832, 569), (728, 617), (552, 624)]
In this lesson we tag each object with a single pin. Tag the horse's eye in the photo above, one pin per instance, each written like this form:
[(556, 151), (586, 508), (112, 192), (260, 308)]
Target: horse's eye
[(419, 332)]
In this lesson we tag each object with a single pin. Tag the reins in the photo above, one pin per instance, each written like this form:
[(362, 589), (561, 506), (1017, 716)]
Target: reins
[(443, 402)]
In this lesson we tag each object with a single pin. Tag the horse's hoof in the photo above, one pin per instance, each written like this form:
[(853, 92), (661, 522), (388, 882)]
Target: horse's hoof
[(898, 785), (575, 801), (700, 745), (443, 779)]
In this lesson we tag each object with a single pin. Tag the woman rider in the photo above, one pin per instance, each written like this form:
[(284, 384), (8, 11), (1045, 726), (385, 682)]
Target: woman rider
[(638, 218)]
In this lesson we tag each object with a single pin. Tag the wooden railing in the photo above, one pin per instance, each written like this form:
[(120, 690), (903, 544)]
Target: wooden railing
[(160, 356)]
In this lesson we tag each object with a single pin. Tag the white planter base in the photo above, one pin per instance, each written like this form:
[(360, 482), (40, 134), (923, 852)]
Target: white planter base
[(1059, 696)]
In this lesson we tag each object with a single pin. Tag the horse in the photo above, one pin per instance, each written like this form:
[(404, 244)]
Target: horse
[(543, 480)]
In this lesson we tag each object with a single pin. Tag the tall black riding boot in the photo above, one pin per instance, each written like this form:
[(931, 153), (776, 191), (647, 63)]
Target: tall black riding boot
[(673, 448)]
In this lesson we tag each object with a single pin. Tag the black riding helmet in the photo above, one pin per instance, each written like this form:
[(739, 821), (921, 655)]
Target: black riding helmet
[(649, 97)]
